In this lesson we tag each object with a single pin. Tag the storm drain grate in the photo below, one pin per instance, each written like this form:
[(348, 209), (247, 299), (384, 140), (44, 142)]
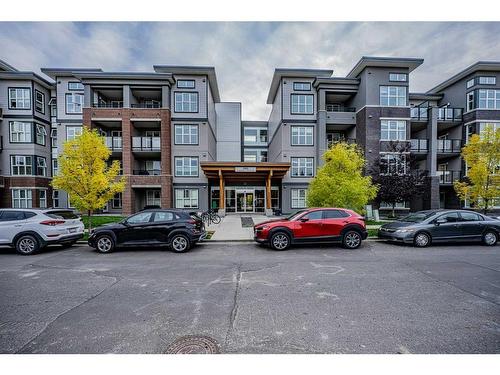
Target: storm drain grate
[(246, 222), (193, 345)]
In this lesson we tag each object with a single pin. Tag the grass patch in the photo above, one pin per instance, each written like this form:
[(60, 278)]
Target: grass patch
[(373, 222), (210, 233), (372, 232), (100, 220)]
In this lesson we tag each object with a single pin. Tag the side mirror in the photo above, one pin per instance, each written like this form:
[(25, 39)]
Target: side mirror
[(304, 219), (440, 221), (126, 223)]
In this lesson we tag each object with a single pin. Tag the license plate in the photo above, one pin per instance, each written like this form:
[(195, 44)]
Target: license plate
[(72, 230)]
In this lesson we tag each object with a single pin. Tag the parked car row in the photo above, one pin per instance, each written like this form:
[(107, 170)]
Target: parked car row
[(29, 230)]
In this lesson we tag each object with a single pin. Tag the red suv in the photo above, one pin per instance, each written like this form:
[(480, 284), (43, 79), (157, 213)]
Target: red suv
[(315, 225)]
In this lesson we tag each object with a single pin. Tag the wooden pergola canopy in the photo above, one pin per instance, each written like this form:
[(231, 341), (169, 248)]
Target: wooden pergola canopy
[(244, 171)]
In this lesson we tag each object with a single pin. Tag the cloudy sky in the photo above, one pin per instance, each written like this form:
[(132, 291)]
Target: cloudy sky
[(245, 54)]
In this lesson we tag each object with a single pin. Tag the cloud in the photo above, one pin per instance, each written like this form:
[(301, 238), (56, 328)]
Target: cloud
[(246, 53)]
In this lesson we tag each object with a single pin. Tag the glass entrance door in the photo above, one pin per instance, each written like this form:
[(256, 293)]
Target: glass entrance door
[(245, 201)]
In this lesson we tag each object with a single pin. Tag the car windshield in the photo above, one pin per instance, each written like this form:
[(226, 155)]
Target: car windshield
[(61, 214), (417, 217), (295, 215)]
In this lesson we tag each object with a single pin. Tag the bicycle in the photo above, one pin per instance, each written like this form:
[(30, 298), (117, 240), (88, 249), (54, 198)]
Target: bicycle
[(210, 216)]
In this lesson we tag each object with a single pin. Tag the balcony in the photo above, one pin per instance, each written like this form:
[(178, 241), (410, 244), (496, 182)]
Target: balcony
[(2, 181), (450, 114), (449, 146), (146, 144), (146, 104), (114, 143), (339, 108), (330, 142), (419, 113), (147, 172), (419, 145), (448, 177), (109, 104)]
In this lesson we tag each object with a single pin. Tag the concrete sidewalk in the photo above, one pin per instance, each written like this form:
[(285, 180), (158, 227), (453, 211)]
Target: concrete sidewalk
[(231, 228)]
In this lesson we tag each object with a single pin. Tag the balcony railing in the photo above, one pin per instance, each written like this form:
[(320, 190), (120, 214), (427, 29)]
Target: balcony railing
[(448, 177), (148, 104), (449, 145), (419, 145), (330, 142), (114, 143), (419, 113), (111, 104), (450, 114), (339, 108), (147, 172), (145, 143)]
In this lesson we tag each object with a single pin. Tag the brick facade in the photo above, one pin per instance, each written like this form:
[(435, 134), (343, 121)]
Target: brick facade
[(32, 183)]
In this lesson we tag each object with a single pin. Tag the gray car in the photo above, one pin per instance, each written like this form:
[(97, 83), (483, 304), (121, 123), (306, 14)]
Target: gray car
[(425, 227)]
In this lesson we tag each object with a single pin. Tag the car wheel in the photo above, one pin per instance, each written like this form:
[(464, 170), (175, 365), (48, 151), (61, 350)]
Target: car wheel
[(422, 240), (180, 243), (490, 238), (105, 244), (27, 245), (280, 241), (352, 239)]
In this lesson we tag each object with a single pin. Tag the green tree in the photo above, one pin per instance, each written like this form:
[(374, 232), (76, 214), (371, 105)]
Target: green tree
[(482, 157), (85, 175), (340, 181)]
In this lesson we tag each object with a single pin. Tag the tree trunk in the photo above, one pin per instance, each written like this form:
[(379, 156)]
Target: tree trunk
[(394, 210), (89, 214), (485, 210)]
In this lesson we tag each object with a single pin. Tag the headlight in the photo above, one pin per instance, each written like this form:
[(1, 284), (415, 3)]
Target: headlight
[(263, 227), (405, 231)]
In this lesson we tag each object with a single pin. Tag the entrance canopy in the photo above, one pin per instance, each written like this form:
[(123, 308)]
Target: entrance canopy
[(228, 171)]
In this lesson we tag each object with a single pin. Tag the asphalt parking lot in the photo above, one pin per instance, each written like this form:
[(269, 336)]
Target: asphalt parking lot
[(381, 298)]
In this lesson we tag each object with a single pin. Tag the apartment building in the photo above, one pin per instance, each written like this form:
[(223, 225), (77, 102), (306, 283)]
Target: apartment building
[(180, 146)]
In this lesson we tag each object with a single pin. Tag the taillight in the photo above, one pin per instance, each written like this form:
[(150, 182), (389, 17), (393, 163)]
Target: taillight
[(52, 222), (192, 221)]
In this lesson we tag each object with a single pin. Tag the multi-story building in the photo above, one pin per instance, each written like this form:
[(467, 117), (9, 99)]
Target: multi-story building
[(180, 146)]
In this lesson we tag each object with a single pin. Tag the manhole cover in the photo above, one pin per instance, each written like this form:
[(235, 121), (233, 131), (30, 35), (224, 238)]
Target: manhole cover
[(246, 222), (193, 345)]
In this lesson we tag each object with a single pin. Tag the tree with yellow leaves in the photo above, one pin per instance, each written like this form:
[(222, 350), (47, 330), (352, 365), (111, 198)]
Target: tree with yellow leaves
[(85, 175), (482, 157), (340, 181)]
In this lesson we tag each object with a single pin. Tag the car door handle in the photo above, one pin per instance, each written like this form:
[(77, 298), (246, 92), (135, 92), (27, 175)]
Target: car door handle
[(18, 225)]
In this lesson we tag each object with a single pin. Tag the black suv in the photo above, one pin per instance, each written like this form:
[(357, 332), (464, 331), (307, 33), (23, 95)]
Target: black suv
[(161, 227)]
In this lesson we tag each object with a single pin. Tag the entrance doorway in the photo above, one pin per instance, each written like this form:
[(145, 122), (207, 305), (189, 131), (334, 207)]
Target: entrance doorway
[(245, 200)]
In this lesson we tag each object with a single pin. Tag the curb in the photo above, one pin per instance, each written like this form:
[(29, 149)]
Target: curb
[(369, 239)]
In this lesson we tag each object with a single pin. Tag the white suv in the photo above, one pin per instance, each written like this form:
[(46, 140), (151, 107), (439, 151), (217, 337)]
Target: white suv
[(30, 230)]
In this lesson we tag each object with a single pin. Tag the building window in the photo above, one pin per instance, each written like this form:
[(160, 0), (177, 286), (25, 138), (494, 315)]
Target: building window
[(20, 132), (21, 165), (186, 166), (489, 99), (73, 131), (302, 104), (302, 136), (53, 138), (393, 163), (74, 103), (185, 83), (399, 205), (255, 136), (153, 198), (253, 155), (117, 201), (75, 86), (21, 198), (39, 102), (55, 198), (299, 198), (469, 83), (55, 167), (42, 198), (398, 77), (186, 134), (493, 125), (392, 130), (152, 167), (186, 198), (470, 101), (487, 80), (41, 166), (302, 167), (41, 134), (393, 96), (19, 98), (186, 102), (53, 110), (301, 86)]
